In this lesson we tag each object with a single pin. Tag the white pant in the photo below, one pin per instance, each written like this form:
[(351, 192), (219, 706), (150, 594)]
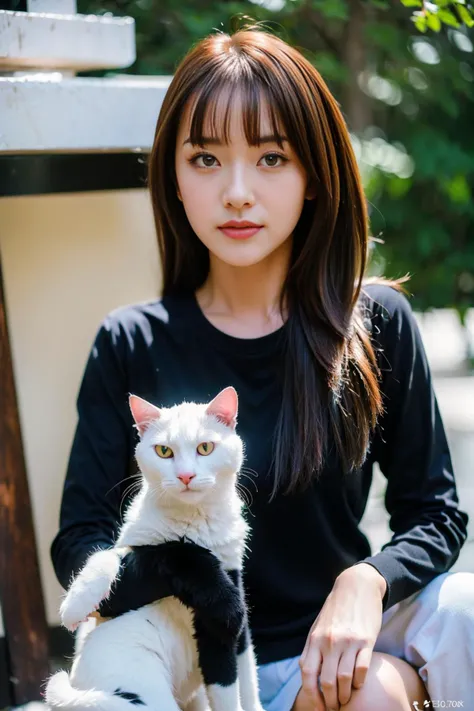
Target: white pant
[(433, 630)]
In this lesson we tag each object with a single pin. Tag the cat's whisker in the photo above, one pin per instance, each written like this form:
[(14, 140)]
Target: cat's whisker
[(249, 471), (130, 487), (250, 495), (247, 504), (158, 491), (251, 481), (241, 489), (121, 509), (122, 481), (248, 474), (129, 491), (242, 497)]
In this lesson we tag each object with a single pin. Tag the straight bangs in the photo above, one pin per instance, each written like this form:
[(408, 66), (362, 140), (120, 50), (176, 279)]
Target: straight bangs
[(257, 88)]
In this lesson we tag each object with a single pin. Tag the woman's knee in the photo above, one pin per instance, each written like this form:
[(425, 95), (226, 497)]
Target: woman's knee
[(391, 684)]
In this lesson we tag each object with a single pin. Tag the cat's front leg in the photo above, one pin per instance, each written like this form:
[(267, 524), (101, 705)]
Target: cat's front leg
[(218, 665), (90, 586), (248, 679), (246, 662), (224, 698)]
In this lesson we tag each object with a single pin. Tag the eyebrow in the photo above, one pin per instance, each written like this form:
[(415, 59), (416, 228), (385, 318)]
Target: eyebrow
[(208, 141)]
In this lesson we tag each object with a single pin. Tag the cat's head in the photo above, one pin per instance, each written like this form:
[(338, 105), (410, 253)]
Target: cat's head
[(190, 451)]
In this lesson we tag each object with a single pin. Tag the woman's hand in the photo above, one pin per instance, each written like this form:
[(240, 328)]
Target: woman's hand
[(339, 646)]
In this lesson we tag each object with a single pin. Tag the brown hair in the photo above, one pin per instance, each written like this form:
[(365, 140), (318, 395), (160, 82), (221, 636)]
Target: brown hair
[(330, 382)]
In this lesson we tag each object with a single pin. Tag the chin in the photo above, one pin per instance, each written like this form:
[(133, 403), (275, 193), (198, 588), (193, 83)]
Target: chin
[(242, 258), (190, 496)]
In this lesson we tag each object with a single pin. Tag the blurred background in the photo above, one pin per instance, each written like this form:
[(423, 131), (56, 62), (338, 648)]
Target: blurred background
[(79, 98)]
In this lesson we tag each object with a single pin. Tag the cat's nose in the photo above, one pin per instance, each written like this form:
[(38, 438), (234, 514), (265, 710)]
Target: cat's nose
[(186, 478)]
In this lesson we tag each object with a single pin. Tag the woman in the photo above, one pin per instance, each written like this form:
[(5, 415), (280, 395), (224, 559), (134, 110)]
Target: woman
[(263, 235)]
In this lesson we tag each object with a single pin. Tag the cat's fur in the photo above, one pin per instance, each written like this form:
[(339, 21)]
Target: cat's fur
[(168, 655)]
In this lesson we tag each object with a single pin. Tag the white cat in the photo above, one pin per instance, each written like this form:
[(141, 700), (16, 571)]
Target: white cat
[(153, 657)]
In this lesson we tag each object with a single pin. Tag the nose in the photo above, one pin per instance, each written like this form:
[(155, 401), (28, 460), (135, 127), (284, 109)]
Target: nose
[(238, 192), (186, 478)]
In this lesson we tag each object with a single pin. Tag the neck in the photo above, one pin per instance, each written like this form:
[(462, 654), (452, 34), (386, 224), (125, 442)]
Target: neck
[(247, 296)]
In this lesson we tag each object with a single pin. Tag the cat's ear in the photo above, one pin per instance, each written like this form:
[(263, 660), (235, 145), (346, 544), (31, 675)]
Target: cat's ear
[(225, 406), (143, 412)]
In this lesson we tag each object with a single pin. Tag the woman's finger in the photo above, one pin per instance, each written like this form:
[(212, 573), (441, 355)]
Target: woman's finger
[(328, 679), (361, 666), (345, 674), (310, 664), (309, 638), (308, 703)]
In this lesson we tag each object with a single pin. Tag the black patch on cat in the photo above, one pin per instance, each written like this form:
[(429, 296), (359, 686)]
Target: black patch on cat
[(243, 641), (196, 577), (217, 657), (134, 699), (218, 650)]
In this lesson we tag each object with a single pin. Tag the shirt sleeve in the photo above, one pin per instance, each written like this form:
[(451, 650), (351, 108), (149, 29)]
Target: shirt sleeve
[(410, 446), (100, 459)]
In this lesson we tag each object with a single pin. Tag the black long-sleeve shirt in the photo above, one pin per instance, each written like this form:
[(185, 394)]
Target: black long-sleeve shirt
[(167, 351)]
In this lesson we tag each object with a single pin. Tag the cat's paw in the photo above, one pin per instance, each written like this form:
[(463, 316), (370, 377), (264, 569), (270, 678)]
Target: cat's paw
[(79, 605), (75, 609), (91, 586)]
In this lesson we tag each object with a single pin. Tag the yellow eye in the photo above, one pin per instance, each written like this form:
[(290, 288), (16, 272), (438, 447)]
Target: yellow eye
[(163, 452), (205, 448)]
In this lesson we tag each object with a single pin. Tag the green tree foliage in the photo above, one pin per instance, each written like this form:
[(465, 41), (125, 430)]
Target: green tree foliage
[(433, 15), (422, 197), (403, 71)]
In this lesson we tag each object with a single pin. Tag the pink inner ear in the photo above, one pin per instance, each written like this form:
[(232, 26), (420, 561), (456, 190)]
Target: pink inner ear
[(143, 412), (224, 407)]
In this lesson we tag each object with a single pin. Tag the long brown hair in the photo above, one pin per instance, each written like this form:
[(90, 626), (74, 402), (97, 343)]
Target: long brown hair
[(331, 390)]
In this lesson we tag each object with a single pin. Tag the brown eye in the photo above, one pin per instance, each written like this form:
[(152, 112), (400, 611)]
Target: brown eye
[(274, 158), (205, 448), (203, 157), (163, 452)]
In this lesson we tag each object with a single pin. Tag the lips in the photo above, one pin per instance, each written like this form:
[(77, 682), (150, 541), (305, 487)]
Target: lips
[(240, 224), (240, 230)]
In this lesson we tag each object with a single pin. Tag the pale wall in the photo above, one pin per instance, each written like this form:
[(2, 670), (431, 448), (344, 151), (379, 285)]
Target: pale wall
[(67, 261)]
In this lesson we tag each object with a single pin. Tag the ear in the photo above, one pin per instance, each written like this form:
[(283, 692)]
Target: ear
[(224, 407), (143, 412)]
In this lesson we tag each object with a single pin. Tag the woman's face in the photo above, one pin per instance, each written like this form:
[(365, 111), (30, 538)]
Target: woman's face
[(218, 183)]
